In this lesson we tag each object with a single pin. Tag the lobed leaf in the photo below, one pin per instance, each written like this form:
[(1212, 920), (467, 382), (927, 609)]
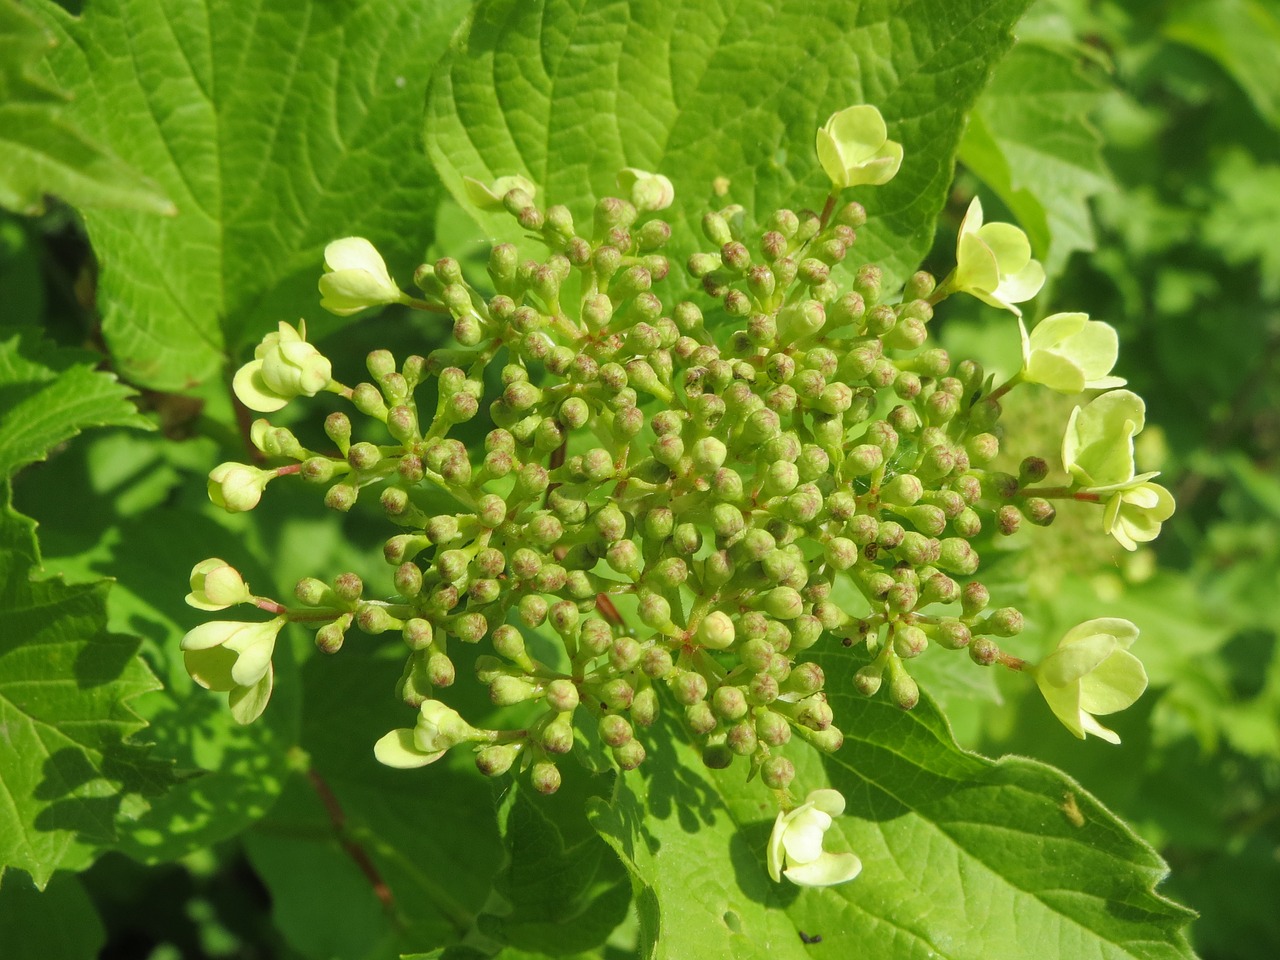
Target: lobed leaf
[(43, 147), (70, 768), (273, 133), (48, 395), (569, 92)]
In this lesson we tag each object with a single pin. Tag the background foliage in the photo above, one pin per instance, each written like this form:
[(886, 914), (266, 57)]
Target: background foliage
[(171, 173)]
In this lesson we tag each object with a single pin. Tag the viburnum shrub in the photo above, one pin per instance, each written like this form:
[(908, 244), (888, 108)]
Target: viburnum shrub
[(688, 495)]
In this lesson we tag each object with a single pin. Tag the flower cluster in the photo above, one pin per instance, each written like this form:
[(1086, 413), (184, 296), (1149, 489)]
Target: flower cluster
[(685, 496)]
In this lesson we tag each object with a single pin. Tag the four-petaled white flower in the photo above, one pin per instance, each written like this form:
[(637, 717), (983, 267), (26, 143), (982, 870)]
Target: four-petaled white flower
[(284, 366), (854, 148), (1090, 673), (356, 277), (993, 262), (1069, 352), (795, 846), (226, 655)]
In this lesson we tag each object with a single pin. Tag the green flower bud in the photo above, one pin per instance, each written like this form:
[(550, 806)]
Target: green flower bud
[(544, 777)]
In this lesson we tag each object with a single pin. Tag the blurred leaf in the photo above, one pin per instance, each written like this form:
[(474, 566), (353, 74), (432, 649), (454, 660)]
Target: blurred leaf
[(48, 395), (43, 149), (57, 923), (1030, 140), (273, 133), (1241, 223), (570, 93), (1242, 36), (70, 769)]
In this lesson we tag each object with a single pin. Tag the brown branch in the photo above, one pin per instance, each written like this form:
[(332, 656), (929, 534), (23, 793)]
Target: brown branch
[(356, 852)]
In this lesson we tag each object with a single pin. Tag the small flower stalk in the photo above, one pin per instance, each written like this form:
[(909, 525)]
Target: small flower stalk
[(679, 502)]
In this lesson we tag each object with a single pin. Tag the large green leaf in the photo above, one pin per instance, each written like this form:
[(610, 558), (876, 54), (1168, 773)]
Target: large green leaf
[(48, 395), (273, 133), (963, 857), (1030, 140), (42, 148), (70, 770), (561, 888), (568, 92)]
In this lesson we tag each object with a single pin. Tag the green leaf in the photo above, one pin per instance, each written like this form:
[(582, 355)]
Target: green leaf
[(1029, 139), (562, 889), (70, 769), (569, 92), (1241, 35), (963, 857), (429, 834), (273, 133), (43, 149), (49, 395), (58, 923)]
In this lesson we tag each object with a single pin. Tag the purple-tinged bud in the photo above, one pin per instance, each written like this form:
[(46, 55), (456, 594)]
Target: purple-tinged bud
[(984, 652), (729, 703), (532, 610), (615, 730), (953, 634), (544, 777), (957, 556), (688, 687), (741, 738), (939, 588), (496, 759), (656, 662), (909, 642), (1039, 511), (974, 599), (868, 679), (1008, 519)]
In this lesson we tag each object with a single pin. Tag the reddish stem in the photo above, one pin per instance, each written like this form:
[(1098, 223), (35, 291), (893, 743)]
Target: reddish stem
[(356, 852)]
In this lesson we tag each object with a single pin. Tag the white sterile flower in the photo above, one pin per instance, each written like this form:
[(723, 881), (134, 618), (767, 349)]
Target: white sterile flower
[(491, 196), (1134, 513), (1097, 446), (284, 366), (1069, 352), (1091, 672), (648, 191), (795, 846), (356, 277), (216, 585), (854, 148), (439, 728), (993, 262), (227, 655)]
